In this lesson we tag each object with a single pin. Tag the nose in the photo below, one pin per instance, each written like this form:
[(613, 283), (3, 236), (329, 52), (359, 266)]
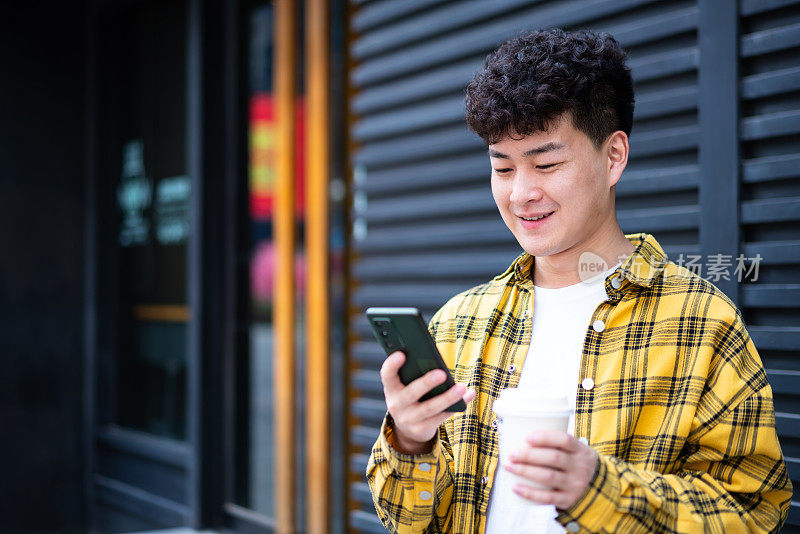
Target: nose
[(524, 189)]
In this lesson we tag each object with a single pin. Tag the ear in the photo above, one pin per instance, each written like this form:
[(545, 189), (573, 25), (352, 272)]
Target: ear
[(616, 148)]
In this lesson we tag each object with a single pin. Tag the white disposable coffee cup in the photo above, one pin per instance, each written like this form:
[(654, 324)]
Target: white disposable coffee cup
[(519, 414)]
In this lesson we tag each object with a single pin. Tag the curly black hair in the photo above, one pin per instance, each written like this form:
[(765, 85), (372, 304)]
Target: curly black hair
[(534, 78)]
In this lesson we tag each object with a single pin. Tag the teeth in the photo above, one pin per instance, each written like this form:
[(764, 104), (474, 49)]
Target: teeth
[(537, 218)]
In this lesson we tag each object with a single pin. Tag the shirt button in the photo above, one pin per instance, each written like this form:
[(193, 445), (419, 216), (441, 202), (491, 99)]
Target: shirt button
[(484, 481), (512, 368), (587, 383), (616, 283), (525, 314), (424, 495), (583, 440), (573, 526), (494, 424), (598, 325), (425, 466)]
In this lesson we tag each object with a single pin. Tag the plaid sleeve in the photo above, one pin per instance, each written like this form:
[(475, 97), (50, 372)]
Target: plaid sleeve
[(732, 475), (407, 489), (412, 493)]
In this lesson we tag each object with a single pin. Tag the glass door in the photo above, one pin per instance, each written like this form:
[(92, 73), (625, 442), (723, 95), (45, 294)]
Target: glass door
[(265, 486), (141, 466)]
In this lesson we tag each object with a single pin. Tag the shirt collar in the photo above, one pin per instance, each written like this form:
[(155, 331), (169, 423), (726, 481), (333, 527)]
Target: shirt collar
[(644, 265)]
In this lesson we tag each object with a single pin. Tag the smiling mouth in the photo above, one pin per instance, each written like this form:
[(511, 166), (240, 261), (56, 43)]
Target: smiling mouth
[(537, 218)]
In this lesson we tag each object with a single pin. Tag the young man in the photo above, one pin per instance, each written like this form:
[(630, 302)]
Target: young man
[(673, 429)]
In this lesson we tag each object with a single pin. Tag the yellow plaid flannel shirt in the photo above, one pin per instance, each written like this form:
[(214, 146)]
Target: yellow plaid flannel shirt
[(681, 412)]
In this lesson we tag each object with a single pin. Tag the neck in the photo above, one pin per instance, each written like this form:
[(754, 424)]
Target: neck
[(562, 269)]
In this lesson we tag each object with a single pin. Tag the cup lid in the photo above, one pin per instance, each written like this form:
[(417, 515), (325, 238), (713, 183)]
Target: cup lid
[(513, 401)]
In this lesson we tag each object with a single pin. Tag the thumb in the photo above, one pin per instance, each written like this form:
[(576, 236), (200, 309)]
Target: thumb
[(469, 395)]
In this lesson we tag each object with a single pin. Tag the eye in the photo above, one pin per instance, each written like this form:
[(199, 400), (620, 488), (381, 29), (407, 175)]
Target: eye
[(501, 171), (547, 166)]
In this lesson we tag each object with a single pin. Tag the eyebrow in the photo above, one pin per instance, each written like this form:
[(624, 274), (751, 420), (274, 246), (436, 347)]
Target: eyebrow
[(547, 147)]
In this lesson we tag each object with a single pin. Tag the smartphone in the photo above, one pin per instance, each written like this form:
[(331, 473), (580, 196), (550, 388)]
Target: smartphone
[(403, 329)]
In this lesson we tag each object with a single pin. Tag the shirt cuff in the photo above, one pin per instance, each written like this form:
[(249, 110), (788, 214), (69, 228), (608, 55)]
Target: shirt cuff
[(593, 512), (418, 467)]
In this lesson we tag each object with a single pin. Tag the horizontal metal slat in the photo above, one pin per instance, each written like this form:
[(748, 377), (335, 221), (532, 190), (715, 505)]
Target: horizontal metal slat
[(771, 168), (654, 66), (430, 24), (775, 337), (489, 230), (461, 170), (367, 382), (439, 204), (653, 27), (770, 40), (661, 103), (771, 125), (363, 437), (487, 36), (793, 518), (409, 294), (783, 381), (770, 83), (656, 219), (771, 296), (368, 354), (637, 182), (411, 119), (664, 141), (793, 466), (774, 252), (390, 10), (472, 263), (428, 145), (447, 78), (359, 492), (770, 210), (368, 411), (787, 424), (366, 522), (752, 7), (358, 463)]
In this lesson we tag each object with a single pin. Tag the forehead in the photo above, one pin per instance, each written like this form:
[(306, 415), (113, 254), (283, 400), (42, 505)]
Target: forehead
[(560, 135)]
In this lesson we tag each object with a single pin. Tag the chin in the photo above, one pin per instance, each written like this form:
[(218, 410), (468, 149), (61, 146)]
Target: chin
[(536, 248)]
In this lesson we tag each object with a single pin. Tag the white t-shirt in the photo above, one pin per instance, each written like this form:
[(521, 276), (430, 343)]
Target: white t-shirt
[(560, 319)]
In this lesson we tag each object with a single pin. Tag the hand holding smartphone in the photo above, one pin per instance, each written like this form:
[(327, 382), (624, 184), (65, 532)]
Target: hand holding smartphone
[(420, 392)]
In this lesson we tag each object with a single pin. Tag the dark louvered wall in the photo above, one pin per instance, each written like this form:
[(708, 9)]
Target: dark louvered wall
[(769, 64), (424, 223)]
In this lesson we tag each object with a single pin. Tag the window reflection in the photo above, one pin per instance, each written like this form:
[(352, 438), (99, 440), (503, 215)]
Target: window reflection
[(153, 195)]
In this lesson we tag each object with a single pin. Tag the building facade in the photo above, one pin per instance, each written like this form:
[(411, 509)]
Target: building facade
[(201, 198)]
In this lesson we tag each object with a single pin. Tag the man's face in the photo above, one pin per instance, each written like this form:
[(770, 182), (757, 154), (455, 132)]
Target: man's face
[(558, 173)]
